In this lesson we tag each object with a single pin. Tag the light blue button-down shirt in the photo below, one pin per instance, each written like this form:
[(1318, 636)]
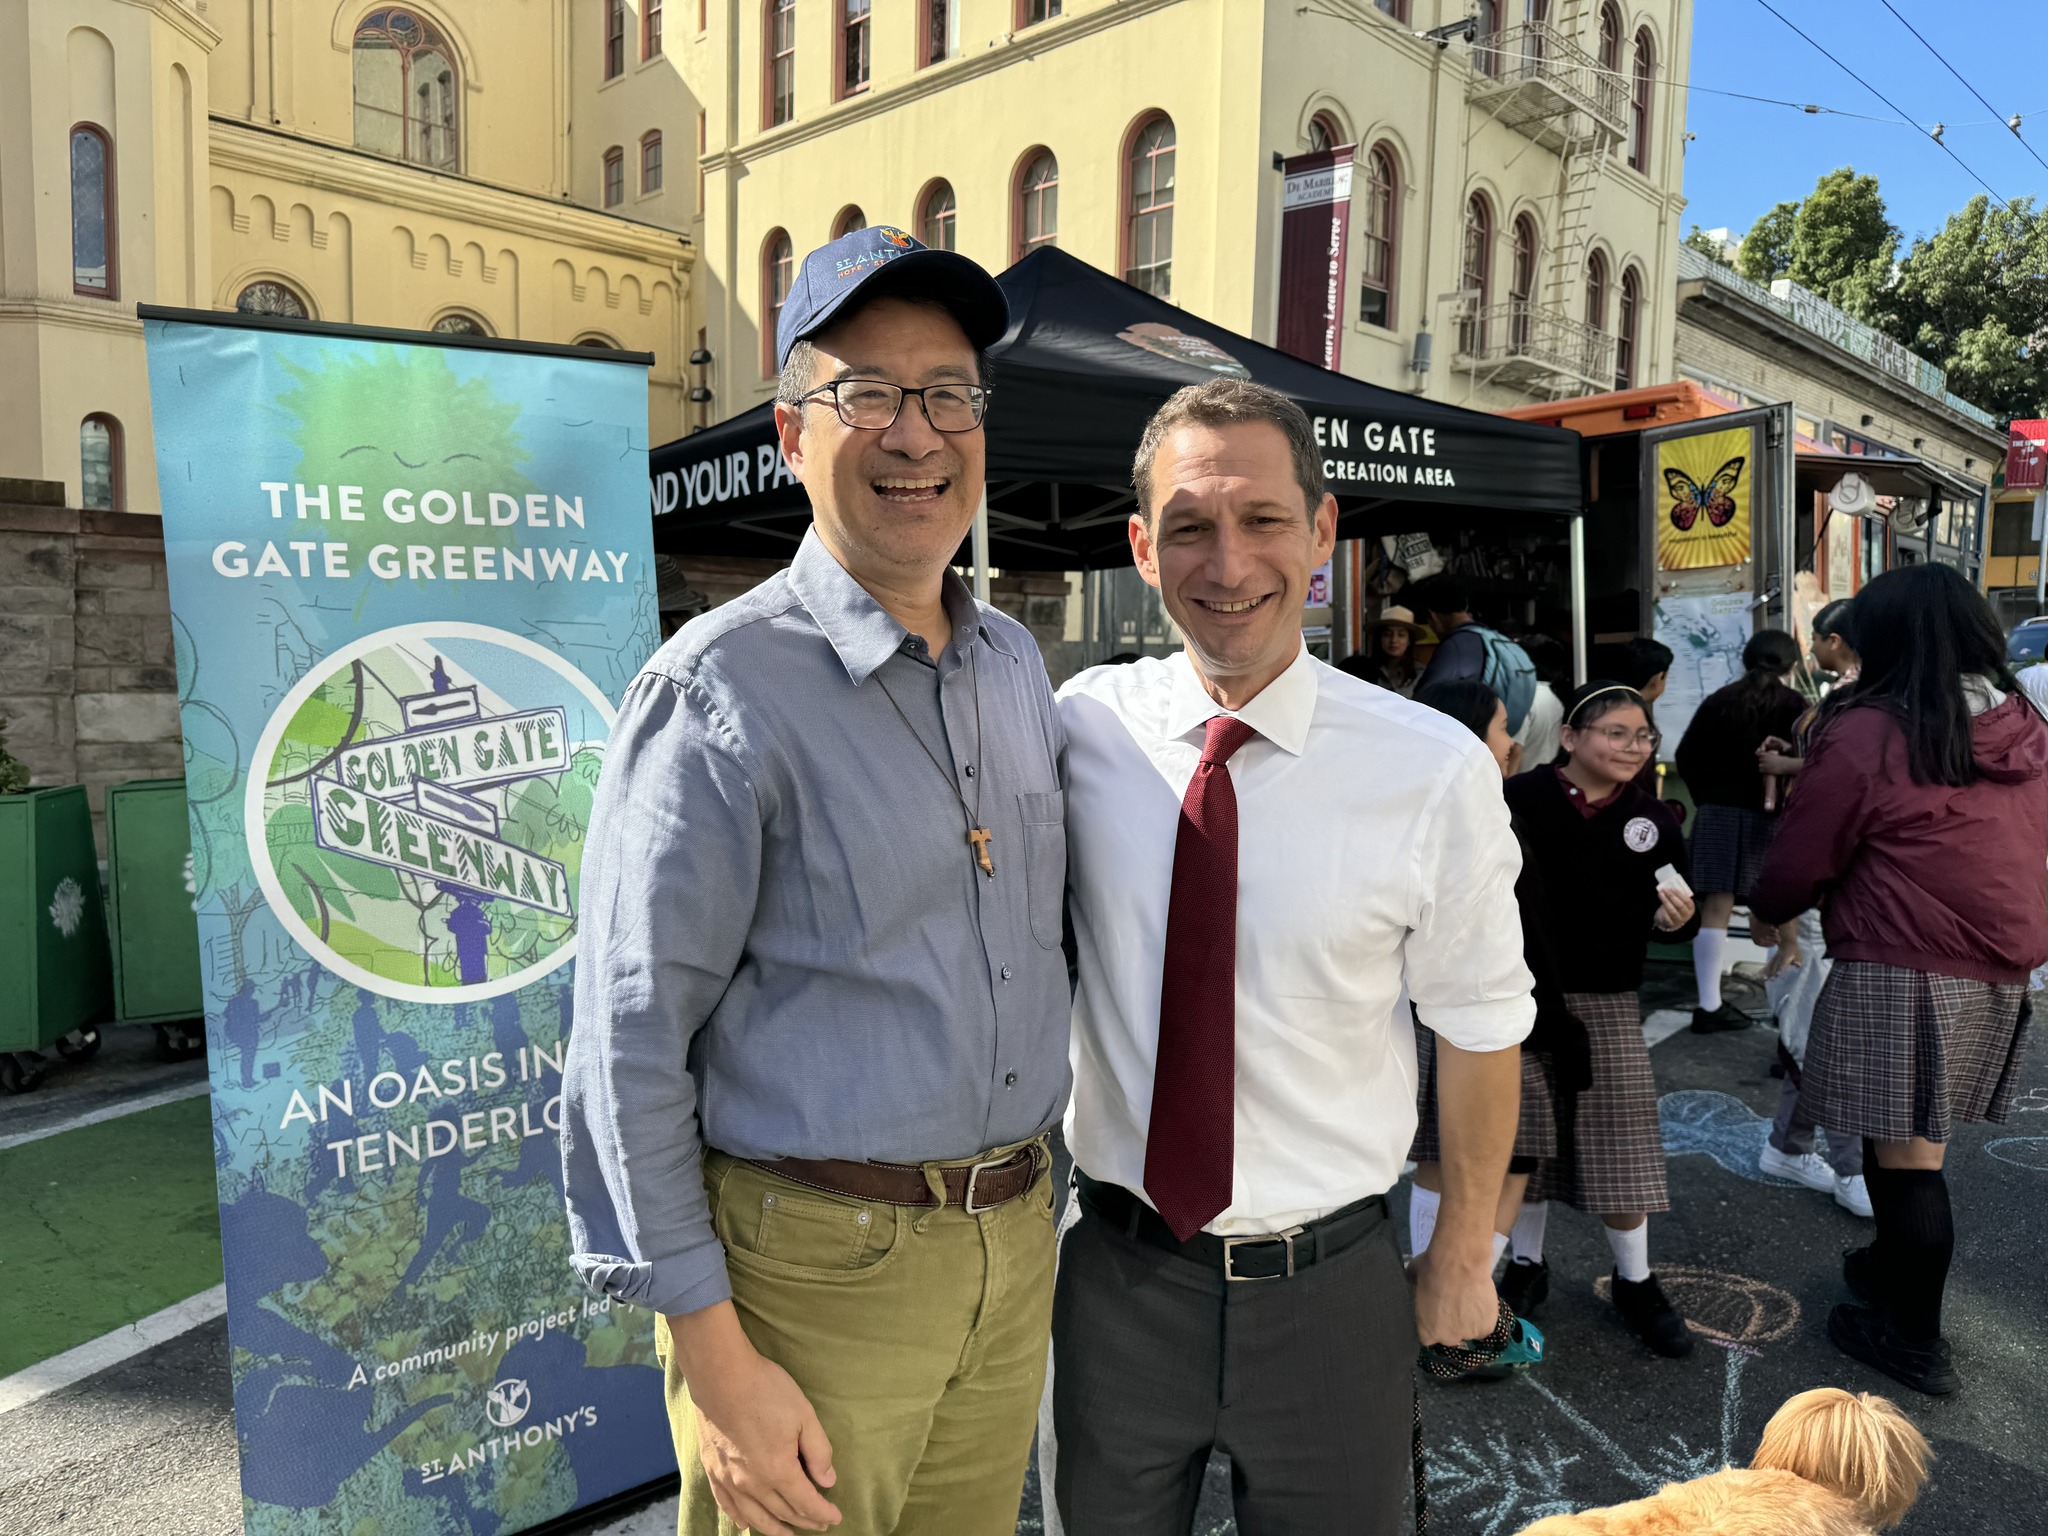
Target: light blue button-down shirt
[(786, 947)]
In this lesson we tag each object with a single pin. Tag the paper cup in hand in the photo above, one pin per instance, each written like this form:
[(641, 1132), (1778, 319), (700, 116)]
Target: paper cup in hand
[(1669, 879)]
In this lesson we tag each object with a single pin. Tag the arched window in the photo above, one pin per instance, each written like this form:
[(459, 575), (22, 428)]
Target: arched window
[(1382, 204), (1596, 291), (1639, 102), (1476, 272), (939, 37), (1486, 38), (614, 176), (855, 29), (99, 464), (650, 162), (268, 297), (1610, 38), (650, 28), (1522, 282), (92, 212), (850, 218), (614, 38), (1148, 204), (1626, 343), (460, 323), (778, 33), (1038, 203), (601, 343), (778, 271), (936, 214), (1324, 133), (406, 90)]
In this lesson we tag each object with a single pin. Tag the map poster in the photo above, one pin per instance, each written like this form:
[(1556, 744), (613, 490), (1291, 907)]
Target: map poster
[(1706, 632), (1702, 495), (409, 582)]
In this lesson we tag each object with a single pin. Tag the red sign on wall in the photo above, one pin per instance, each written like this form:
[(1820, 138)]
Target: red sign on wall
[(2026, 456), (1315, 225)]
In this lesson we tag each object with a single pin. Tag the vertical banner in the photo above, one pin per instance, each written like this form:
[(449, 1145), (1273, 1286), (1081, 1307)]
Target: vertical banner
[(1315, 224), (1704, 499), (409, 582)]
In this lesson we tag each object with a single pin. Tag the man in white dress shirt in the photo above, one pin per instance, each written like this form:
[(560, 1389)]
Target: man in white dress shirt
[(1267, 861)]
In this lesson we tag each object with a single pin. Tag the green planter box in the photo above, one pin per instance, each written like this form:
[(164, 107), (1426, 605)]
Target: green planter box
[(53, 927), (155, 934)]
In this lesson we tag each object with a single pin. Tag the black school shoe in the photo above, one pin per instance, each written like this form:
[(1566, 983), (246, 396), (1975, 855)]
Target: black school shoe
[(1653, 1319), (1525, 1286), (1719, 1020), (1863, 1333)]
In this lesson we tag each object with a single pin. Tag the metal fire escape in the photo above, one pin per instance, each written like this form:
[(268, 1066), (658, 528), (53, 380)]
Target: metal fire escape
[(1535, 79)]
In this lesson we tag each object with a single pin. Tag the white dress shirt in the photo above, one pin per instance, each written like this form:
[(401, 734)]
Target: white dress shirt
[(1375, 864)]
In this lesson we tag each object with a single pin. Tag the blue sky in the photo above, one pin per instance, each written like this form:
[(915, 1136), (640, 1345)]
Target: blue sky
[(1749, 155)]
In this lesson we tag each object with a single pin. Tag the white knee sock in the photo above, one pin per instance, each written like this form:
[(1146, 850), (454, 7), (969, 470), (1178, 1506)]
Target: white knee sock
[(1528, 1233), (1500, 1245), (1706, 965), (1631, 1251), (1422, 1204)]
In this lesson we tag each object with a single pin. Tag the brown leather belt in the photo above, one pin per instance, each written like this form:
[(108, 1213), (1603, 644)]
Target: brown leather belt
[(981, 1187)]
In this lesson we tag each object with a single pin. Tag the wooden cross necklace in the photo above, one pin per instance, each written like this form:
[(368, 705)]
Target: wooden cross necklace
[(978, 835)]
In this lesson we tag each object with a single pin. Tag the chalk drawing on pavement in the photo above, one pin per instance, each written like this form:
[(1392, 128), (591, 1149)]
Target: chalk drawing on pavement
[(2021, 1151), (1720, 1126), (2033, 1101), (1728, 1309), (1503, 1486)]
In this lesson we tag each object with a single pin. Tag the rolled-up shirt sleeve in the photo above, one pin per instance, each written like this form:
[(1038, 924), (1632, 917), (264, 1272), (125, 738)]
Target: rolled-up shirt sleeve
[(671, 868), (1462, 959)]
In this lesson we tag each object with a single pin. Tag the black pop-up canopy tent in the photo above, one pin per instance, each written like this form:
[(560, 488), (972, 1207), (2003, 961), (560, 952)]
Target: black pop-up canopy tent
[(1086, 361)]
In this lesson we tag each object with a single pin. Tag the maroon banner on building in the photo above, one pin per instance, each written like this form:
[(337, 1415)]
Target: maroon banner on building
[(2026, 456), (1315, 223)]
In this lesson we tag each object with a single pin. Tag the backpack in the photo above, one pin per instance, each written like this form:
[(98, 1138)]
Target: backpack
[(1509, 673)]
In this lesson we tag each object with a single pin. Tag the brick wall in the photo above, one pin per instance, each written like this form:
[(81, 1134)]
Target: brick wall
[(87, 677)]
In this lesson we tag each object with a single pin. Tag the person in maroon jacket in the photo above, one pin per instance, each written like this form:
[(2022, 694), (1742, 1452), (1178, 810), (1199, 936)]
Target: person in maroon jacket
[(1921, 829), (1599, 842)]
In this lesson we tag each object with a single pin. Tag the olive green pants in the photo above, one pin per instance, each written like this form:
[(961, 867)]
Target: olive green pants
[(919, 1336)]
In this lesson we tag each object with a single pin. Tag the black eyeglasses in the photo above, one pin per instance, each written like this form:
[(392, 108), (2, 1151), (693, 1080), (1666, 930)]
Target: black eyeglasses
[(873, 406)]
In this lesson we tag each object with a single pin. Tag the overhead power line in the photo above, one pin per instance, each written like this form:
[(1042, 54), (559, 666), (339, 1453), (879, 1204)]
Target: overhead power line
[(1880, 95), (2015, 120)]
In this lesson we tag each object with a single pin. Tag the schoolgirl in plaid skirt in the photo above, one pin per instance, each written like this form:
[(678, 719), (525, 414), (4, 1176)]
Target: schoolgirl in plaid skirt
[(1598, 842), (1920, 828)]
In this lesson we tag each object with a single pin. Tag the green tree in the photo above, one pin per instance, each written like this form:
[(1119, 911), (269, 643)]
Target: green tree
[(1699, 240), (1973, 297), (1766, 251), (1843, 242)]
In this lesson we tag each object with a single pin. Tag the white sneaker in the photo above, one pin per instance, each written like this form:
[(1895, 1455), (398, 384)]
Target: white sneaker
[(1853, 1195), (1808, 1168)]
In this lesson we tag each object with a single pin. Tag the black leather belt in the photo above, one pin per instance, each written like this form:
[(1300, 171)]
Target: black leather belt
[(1267, 1256)]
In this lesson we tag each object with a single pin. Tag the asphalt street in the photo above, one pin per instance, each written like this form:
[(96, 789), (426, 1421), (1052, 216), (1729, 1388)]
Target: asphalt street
[(148, 1446)]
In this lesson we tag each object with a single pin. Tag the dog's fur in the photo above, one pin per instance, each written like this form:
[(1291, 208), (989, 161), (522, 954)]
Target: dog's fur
[(1832, 1463)]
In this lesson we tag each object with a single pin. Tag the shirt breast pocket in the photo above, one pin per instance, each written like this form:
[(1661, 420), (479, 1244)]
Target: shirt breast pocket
[(1045, 862)]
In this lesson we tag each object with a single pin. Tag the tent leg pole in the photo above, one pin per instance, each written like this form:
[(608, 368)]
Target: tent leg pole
[(981, 550), (1579, 599)]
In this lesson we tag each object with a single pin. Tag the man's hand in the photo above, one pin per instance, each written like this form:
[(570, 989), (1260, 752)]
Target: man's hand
[(759, 1438), (1455, 1301)]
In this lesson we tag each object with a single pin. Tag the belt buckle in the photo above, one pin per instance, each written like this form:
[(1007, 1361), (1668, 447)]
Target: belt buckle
[(967, 1196), (1232, 1244)]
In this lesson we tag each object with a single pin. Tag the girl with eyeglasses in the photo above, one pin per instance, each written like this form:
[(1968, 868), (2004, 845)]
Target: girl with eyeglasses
[(1592, 832), (1921, 829), (1731, 831)]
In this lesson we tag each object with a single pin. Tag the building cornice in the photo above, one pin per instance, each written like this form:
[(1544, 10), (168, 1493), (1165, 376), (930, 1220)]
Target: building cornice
[(248, 147), (185, 21), (1714, 307), (1021, 47), (114, 318)]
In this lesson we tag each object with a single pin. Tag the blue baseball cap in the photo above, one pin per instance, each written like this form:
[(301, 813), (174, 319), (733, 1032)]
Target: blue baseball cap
[(882, 261)]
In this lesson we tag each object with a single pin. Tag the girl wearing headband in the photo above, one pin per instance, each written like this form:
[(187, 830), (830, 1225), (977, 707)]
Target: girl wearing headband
[(1590, 831)]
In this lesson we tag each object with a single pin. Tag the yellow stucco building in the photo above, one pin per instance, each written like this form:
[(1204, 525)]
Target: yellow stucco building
[(1515, 191), (474, 165)]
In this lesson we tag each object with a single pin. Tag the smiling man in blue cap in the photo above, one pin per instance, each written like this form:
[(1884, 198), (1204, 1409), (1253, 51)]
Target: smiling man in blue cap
[(821, 1009)]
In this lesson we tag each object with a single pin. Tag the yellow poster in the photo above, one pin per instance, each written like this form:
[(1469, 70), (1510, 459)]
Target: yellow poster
[(1702, 498)]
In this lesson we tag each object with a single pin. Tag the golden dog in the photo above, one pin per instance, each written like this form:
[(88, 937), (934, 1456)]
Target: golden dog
[(1832, 1463)]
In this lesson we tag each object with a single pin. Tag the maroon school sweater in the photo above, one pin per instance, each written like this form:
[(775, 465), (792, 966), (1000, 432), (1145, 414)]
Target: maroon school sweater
[(1930, 877)]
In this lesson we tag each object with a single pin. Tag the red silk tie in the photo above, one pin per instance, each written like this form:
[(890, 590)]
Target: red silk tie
[(1190, 1143)]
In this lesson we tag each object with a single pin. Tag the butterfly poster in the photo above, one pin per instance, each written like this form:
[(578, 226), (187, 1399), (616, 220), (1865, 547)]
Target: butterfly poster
[(1701, 493)]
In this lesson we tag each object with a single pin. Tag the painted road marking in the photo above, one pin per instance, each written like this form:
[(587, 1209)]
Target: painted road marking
[(110, 1349), (109, 1112)]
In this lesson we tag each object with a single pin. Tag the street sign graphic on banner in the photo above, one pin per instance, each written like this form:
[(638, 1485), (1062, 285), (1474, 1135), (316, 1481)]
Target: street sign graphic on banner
[(408, 588)]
